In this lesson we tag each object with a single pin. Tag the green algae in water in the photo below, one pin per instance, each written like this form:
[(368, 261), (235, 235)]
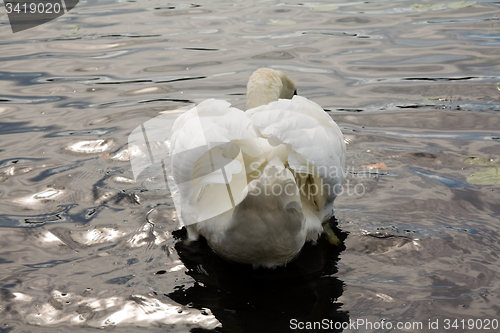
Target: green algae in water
[(461, 4), (429, 7), (450, 5), (490, 176), (324, 8)]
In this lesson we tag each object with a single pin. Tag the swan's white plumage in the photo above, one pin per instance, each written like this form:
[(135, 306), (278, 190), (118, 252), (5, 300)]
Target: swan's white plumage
[(314, 140), (288, 144)]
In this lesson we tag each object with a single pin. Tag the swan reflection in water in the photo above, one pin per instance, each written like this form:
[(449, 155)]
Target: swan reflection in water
[(244, 299)]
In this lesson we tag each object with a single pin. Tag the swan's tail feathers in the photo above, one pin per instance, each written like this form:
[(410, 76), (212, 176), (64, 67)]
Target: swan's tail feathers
[(267, 228), (275, 191)]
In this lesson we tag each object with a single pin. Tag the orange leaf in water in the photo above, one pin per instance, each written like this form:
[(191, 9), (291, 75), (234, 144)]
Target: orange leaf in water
[(380, 166), (104, 155)]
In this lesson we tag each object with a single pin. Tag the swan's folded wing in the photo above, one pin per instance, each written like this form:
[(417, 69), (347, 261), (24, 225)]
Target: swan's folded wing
[(207, 166), (316, 142)]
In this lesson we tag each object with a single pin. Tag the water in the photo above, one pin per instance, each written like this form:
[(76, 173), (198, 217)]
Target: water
[(412, 85)]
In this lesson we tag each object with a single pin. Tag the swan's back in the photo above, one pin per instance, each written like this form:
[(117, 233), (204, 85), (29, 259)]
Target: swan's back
[(265, 180)]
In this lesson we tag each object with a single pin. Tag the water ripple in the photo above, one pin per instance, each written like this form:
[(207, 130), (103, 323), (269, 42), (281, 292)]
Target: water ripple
[(413, 85)]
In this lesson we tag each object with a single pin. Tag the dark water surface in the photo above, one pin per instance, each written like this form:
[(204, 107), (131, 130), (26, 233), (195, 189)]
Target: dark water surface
[(412, 84)]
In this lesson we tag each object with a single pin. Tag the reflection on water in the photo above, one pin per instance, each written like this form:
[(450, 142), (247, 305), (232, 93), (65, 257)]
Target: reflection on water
[(413, 85), (247, 300)]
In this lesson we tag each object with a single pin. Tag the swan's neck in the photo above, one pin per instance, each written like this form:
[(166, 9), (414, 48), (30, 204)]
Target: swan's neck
[(268, 85)]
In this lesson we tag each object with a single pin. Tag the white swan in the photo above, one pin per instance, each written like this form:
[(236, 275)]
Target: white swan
[(266, 178)]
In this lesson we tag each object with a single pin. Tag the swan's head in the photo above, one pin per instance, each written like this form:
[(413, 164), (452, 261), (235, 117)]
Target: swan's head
[(267, 85)]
